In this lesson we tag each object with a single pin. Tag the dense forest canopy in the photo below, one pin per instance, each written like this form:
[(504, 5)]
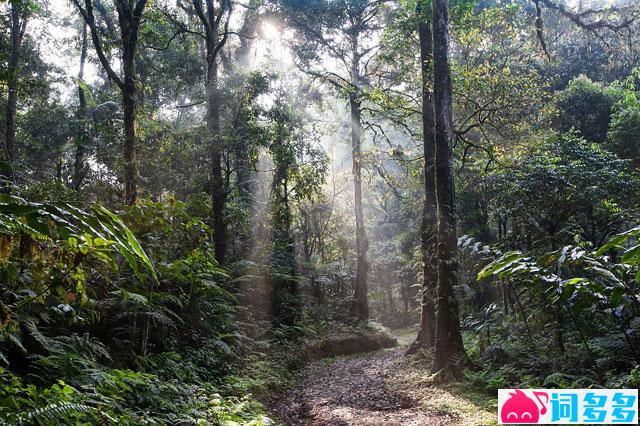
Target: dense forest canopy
[(200, 196)]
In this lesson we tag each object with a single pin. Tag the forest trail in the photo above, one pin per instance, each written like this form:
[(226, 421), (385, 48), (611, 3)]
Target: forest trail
[(380, 388)]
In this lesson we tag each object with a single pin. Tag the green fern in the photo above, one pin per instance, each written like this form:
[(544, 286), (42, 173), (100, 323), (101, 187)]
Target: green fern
[(51, 414)]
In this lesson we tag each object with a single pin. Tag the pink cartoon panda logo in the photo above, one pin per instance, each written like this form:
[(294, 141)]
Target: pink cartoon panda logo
[(519, 408)]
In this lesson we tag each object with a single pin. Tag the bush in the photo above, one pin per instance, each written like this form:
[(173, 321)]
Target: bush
[(109, 334)]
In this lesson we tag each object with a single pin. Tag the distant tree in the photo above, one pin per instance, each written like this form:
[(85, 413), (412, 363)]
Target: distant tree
[(44, 131), (283, 259), (246, 137), (19, 12), (299, 172), (214, 18), (566, 187), (624, 135), (343, 31), (587, 107)]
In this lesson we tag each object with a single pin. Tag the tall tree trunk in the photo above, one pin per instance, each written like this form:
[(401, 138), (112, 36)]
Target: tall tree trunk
[(286, 303), (242, 141), (129, 39), (18, 26), (244, 177), (426, 334), (360, 306), (242, 153), (129, 17), (129, 20), (448, 340), (218, 193), (244, 174), (211, 20), (129, 110), (79, 167)]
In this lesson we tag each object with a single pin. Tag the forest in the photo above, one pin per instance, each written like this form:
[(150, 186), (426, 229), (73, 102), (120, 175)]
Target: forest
[(315, 212)]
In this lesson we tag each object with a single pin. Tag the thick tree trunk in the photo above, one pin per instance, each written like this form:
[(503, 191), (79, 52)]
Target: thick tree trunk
[(426, 334), (448, 341), (79, 167), (18, 25), (360, 306)]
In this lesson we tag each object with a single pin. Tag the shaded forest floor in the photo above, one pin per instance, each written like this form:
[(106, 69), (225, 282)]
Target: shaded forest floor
[(382, 387)]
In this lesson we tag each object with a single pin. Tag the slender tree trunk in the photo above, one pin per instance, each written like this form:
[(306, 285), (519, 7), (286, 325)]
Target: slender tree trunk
[(79, 167), (211, 19), (360, 306), (242, 142), (244, 173), (285, 294), (242, 163), (129, 112), (129, 17), (426, 334), (218, 193), (243, 181), (18, 25), (448, 340), (129, 25), (250, 26)]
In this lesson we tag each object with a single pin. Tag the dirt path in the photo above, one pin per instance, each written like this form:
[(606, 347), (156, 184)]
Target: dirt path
[(380, 388)]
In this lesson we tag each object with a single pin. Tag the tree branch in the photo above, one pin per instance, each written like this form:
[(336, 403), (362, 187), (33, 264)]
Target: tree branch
[(89, 18)]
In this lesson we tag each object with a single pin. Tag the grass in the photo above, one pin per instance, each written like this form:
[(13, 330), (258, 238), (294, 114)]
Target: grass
[(466, 402), (469, 405), (472, 407)]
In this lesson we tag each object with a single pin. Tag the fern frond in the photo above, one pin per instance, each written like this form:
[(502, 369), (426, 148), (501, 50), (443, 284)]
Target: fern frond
[(51, 414)]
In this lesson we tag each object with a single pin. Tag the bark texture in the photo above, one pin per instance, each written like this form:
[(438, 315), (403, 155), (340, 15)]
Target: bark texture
[(129, 23), (448, 341)]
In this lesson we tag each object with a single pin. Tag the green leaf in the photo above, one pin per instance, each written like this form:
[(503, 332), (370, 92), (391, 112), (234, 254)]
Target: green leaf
[(85, 88), (500, 265), (68, 223)]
